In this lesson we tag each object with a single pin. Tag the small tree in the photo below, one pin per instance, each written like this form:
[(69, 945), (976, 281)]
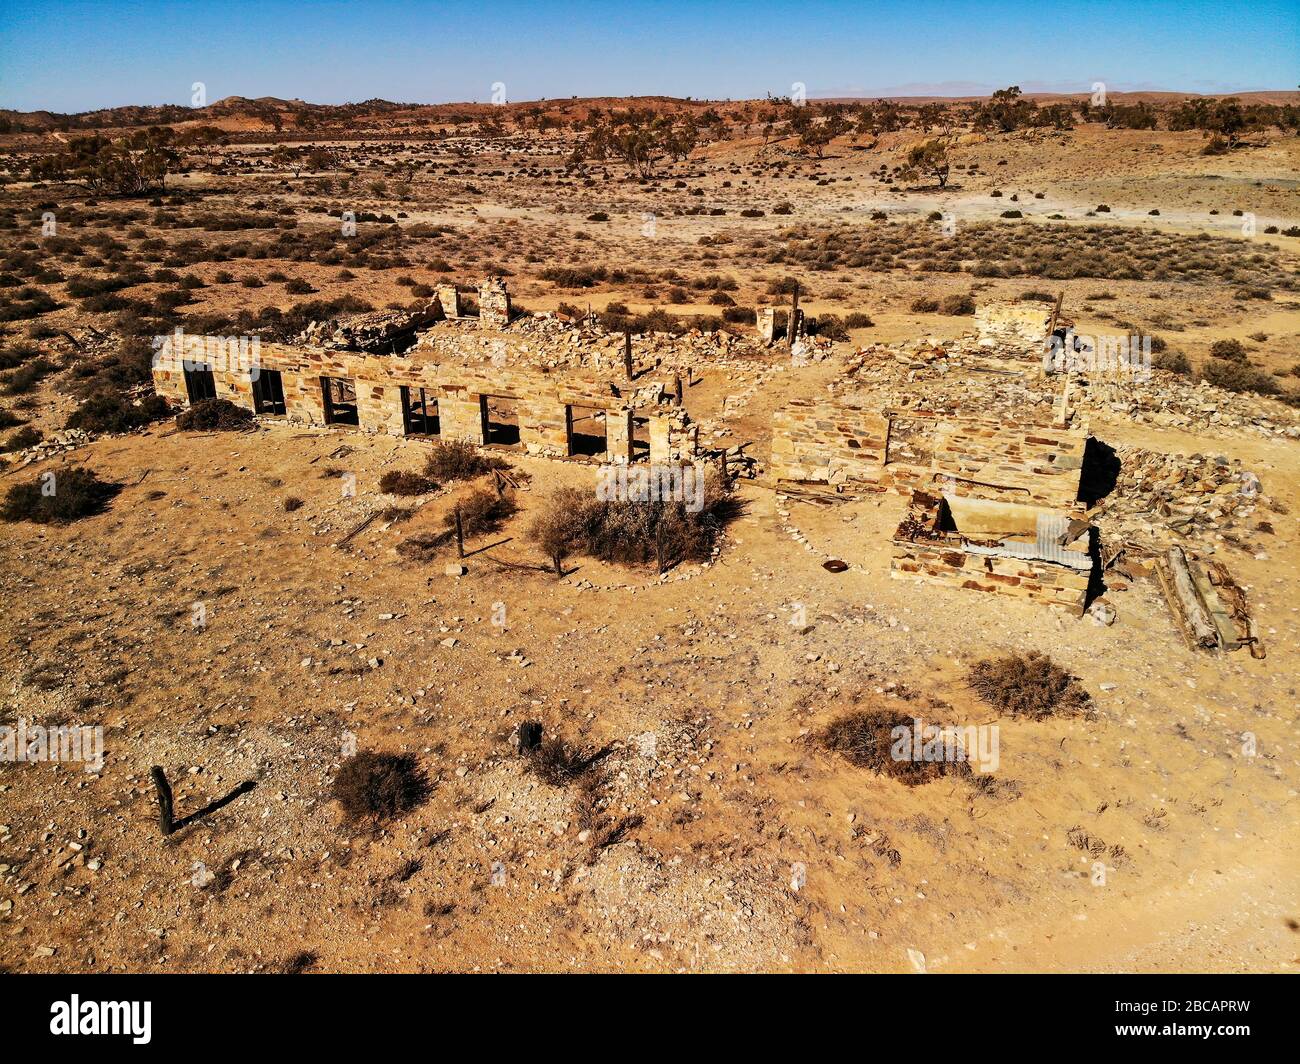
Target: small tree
[(930, 158), (1006, 110), (129, 165)]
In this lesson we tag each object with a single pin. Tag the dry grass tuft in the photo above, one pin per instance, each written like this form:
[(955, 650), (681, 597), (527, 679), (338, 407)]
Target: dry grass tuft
[(867, 738), (372, 787), (1028, 685)]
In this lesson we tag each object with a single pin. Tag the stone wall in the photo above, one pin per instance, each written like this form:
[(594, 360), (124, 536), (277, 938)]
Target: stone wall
[(541, 398), (920, 552), (842, 444), (1015, 324), (493, 304), (449, 300), (994, 459), (822, 441)]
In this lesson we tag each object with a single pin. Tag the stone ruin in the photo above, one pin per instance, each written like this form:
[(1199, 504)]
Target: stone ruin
[(375, 372), (493, 304)]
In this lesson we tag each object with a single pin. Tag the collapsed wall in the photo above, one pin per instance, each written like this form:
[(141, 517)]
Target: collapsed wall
[(1013, 324)]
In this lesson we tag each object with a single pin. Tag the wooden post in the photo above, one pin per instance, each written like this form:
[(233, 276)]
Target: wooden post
[(1051, 332), (791, 328), (627, 355), (460, 534), (724, 466), (165, 820), (677, 388)]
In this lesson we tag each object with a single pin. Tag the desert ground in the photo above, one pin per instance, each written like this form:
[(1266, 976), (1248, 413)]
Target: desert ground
[(712, 830)]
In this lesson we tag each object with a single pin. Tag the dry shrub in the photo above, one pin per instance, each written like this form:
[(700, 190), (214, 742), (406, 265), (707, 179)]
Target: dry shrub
[(458, 460), (214, 415), (297, 963), (402, 482), (1229, 350), (1238, 377), (1028, 685), (423, 546), (111, 412), (556, 762), (76, 493), (632, 533), (371, 786), (394, 515), (292, 503), (482, 510), (1172, 362), (866, 739), (25, 437)]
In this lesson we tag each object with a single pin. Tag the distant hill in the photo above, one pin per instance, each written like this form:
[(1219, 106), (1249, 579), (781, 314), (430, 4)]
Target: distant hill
[(238, 114)]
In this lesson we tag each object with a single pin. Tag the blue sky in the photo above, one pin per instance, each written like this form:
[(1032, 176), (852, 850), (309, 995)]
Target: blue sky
[(66, 56)]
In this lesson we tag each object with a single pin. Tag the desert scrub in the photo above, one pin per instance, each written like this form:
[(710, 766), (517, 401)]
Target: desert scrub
[(111, 412), (482, 510), (868, 739), (1238, 377), (632, 533), (373, 787), (214, 415), (1028, 685), (58, 497), (403, 482), (458, 460)]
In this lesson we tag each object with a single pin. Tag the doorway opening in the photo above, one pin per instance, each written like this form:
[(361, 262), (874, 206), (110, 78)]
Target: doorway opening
[(340, 396)]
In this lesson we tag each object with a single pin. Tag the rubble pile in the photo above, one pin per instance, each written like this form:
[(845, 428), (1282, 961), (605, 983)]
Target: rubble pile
[(550, 342), (1172, 401), (60, 443), (950, 375), (382, 332), (1164, 499)]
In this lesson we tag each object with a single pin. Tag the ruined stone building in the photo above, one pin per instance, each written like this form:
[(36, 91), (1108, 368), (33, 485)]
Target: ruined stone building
[(461, 391), (994, 505)]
